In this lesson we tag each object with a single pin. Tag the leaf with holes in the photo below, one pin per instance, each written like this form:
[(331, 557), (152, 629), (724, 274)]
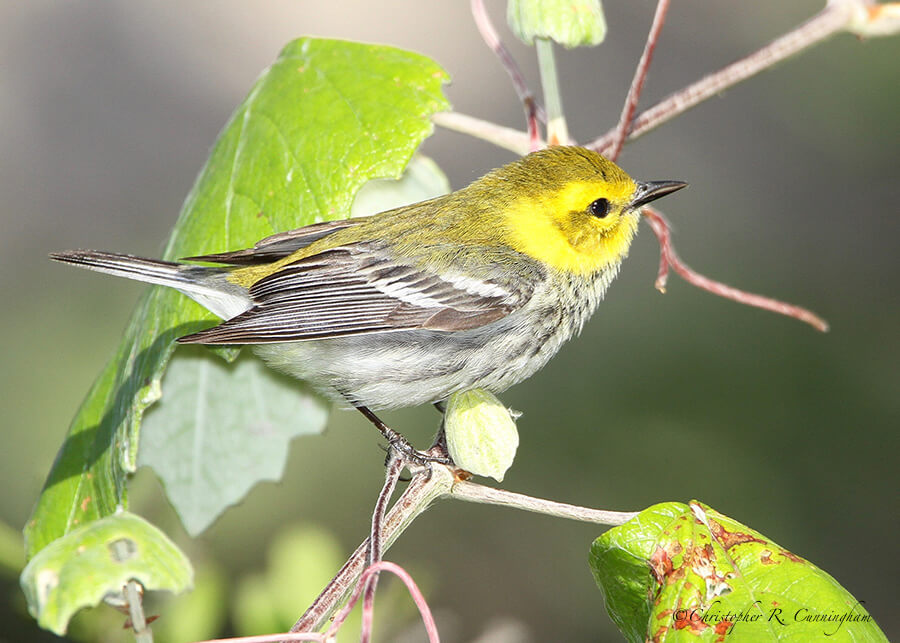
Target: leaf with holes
[(94, 562), (686, 573)]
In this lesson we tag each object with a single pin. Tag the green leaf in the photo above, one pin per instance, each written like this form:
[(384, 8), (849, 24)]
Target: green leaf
[(571, 23), (221, 428), (94, 562), (685, 573), (326, 117)]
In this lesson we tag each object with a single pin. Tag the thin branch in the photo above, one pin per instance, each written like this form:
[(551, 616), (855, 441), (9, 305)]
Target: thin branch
[(533, 111), (418, 496), (134, 598), (833, 18), (472, 492), (422, 491), (637, 83), (499, 135), (857, 16), (367, 577), (668, 257), (284, 637), (394, 466)]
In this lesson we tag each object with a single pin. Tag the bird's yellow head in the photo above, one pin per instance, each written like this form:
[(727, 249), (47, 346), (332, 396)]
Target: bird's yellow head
[(574, 210)]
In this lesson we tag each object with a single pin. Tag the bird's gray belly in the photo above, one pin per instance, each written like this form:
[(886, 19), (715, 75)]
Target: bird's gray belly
[(413, 367), (409, 368)]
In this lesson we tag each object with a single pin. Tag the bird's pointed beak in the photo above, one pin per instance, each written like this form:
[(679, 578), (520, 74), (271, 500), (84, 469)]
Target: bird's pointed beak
[(648, 191)]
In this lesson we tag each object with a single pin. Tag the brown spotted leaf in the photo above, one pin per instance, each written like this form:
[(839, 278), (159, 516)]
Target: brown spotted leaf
[(680, 572)]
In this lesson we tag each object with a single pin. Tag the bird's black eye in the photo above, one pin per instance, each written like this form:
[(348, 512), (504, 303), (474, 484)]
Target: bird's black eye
[(599, 208)]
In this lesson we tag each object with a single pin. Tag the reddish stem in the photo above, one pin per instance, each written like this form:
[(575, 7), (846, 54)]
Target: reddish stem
[(392, 474), (668, 257), (637, 83), (371, 572), (533, 111), (288, 637), (833, 18)]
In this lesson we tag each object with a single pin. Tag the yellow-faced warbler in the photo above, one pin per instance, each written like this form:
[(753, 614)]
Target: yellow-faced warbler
[(475, 289)]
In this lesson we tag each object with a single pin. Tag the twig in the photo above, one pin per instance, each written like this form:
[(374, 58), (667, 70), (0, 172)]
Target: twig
[(422, 491), (134, 598), (533, 111), (471, 492), (668, 257), (637, 83), (366, 579), (857, 16), (833, 18), (501, 136), (394, 466), (418, 496), (284, 637), (611, 144), (369, 575)]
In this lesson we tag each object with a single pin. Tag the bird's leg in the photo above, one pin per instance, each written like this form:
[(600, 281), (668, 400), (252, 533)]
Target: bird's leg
[(399, 443), (440, 440)]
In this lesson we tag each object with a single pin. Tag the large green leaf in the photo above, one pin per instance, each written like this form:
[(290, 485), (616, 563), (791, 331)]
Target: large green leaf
[(95, 561), (686, 573), (326, 117)]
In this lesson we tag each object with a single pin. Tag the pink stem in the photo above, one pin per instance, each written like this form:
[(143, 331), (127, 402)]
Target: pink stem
[(370, 572), (392, 474), (272, 638), (834, 17), (533, 111), (637, 83), (412, 588), (668, 257)]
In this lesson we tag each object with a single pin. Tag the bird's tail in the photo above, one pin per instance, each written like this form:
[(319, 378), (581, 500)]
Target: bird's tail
[(208, 286)]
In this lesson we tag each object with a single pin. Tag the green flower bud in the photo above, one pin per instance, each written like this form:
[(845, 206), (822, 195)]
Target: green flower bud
[(481, 433), (571, 23)]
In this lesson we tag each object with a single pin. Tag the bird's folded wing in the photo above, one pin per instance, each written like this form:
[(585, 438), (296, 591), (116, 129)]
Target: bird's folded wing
[(277, 246), (360, 289)]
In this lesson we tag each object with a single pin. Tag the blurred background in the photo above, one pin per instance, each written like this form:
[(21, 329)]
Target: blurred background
[(109, 110)]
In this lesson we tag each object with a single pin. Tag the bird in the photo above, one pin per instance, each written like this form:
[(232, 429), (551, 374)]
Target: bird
[(478, 288)]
